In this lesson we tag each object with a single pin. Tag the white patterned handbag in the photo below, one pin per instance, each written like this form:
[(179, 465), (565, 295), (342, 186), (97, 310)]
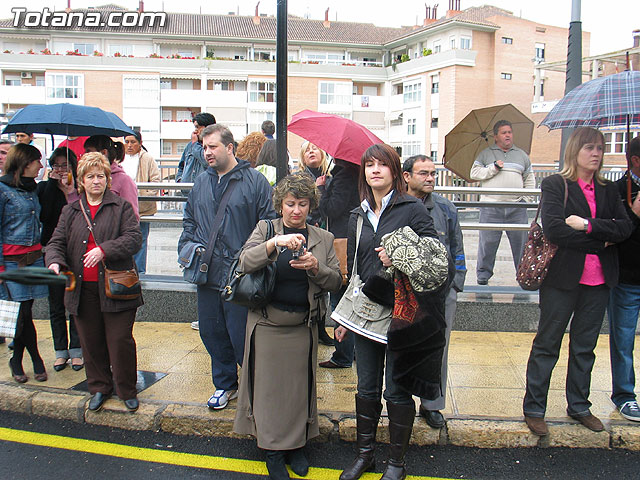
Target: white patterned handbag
[(8, 318)]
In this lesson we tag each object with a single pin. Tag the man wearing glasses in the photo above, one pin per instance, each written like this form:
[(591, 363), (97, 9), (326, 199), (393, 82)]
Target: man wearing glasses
[(420, 174)]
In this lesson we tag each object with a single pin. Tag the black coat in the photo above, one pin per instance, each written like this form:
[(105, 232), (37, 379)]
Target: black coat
[(629, 250), (403, 210), (52, 201), (340, 197), (611, 224)]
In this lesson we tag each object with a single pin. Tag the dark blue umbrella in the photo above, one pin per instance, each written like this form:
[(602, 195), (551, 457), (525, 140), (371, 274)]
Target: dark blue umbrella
[(67, 119)]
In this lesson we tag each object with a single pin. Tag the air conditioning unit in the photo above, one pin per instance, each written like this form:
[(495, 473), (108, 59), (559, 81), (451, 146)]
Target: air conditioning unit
[(25, 75)]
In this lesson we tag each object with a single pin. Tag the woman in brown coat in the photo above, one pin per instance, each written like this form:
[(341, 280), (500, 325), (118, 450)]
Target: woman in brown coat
[(277, 397), (105, 325)]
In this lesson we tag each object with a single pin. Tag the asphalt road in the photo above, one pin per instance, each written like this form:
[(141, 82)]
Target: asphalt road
[(39, 448)]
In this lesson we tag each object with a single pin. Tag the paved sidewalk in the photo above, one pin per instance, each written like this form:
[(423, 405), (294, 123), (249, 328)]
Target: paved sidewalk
[(486, 385)]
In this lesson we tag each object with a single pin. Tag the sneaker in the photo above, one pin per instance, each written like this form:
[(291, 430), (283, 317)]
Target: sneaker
[(221, 398), (630, 411), (195, 325)]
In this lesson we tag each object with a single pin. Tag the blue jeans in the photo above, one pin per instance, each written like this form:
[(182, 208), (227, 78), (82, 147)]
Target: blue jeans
[(222, 330), (370, 365), (343, 354), (624, 306), (141, 257)]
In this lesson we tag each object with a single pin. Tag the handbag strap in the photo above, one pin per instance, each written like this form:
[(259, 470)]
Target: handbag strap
[(566, 196), (354, 268), (215, 227)]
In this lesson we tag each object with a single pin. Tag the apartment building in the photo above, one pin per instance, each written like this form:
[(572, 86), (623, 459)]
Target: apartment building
[(409, 85)]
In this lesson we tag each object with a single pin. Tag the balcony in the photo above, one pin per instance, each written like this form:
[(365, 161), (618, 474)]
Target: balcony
[(369, 103), (202, 98), (21, 95), (176, 130)]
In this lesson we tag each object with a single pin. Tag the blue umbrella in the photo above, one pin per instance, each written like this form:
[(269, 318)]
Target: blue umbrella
[(67, 119)]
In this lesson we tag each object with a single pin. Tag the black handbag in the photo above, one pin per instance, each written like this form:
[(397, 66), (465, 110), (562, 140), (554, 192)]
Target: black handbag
[(251, 290)]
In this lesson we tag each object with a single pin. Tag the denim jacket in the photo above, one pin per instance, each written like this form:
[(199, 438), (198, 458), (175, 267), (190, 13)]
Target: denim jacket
[(19, 217)]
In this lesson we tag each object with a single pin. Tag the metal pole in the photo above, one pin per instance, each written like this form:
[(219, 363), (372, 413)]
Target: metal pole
[(281, 90), (574, 65)]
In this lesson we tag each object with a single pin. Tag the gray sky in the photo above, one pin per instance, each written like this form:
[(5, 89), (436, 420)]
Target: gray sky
[(610, 22)]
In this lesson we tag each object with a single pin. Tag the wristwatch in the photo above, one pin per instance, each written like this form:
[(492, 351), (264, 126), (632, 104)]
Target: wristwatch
[(586, 224), (495, 164)]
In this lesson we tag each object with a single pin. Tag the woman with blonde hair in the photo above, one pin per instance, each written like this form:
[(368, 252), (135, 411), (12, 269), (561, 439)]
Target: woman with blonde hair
[(104, 324), (583, 215)]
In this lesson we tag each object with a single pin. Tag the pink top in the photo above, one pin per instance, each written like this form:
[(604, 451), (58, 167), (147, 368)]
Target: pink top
[(592, 273)]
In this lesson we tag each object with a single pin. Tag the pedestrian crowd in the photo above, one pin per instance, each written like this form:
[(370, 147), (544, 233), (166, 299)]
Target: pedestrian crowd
[(369, 241)]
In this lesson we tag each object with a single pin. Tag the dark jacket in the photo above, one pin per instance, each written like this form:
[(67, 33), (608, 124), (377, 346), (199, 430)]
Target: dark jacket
[(402, 210), (340, 197), (249, 203), (611, 224), (117, 232), (192, 163), (52, 201), (629, 250), (445, 220)]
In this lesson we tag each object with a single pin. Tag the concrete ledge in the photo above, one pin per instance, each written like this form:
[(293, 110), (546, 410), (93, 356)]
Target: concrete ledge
[(61, 406), (182, 419), (490, 434)]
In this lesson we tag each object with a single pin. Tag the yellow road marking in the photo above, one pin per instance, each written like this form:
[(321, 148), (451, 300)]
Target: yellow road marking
[(251, 467)]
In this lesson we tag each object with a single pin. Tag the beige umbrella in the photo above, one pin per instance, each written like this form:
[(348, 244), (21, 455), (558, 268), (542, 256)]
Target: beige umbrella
[(475, 133)]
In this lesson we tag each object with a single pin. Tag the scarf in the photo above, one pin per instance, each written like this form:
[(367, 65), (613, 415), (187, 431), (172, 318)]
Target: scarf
[(26, 183)]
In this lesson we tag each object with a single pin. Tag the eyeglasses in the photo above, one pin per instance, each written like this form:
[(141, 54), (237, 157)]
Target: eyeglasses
[(60, 166), (422, 173)]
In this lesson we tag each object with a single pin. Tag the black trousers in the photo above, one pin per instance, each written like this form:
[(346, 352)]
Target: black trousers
[(584, 306), (58, 317)]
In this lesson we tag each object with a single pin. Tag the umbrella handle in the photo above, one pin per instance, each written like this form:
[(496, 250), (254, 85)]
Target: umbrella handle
[(72, 280)]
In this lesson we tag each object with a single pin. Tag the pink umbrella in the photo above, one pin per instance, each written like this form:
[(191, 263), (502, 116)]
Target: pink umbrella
[(338, 136)]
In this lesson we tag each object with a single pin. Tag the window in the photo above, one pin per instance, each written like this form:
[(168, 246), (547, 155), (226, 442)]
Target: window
[(453, 43), (335, 59), (505, 76), (335, 93), (165, 84), (369, 62), (507, 40), (220, 86), (265, 56), (435, 84), (256, 118), (166, 148), (410, 149), (539, 52), (85, 48), (64, 86), (398, 89), (185, 84), (140, 91), (436, 47), (120, 50), (434, 154), (13, 82), (167, 116), (238, 57), (262, 92), (412, 92), (615, 142), (185, 53), (465, 43), (541, 89), (411, 126), (39, 81), (434, 118), (180, 147), (183, 116)]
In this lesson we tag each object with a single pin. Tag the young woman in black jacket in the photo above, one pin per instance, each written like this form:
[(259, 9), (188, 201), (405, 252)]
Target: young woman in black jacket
[(385, 208)]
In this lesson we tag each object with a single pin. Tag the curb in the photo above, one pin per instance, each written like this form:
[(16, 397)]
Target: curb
[(190, 419)]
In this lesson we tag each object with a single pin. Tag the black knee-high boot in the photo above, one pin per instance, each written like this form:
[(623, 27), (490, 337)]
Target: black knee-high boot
[(400, 426), (367, 417)]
